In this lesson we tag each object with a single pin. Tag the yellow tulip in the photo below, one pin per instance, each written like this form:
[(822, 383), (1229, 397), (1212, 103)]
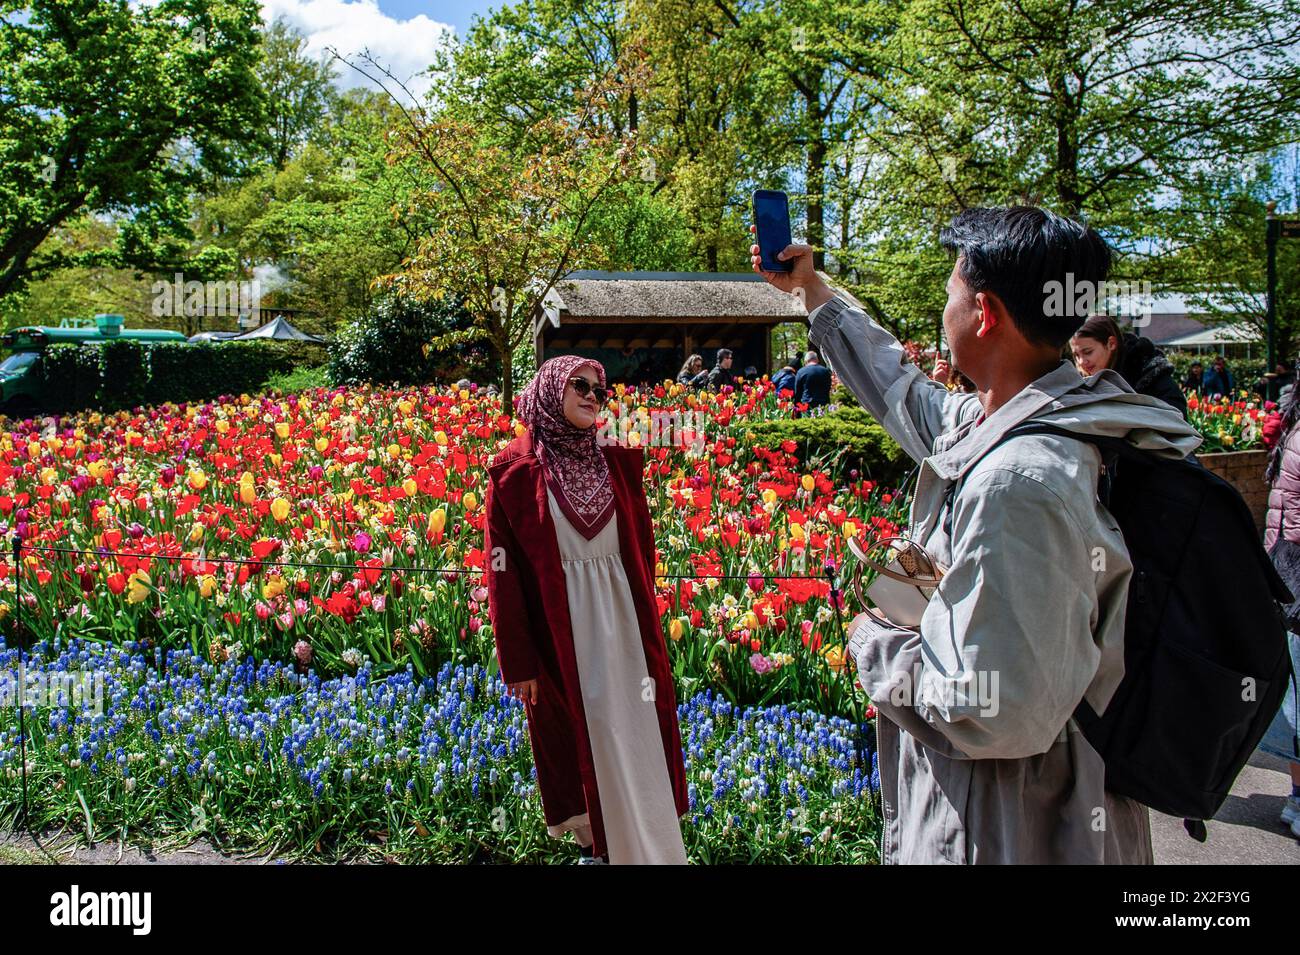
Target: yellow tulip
[(273, 587), (750, 620), (410, 487), (470, 500), (207, 585), (137, 587), (437, 520), (49, 476), (796, 531), (519, 430), (808, 482), (282, 430), (850, 529), (247, 492), (222, 426), (197, 479), (405, 407), (196, 533), (675, 628), (322, 444), (394, 451), (440, 437), (279, 509)]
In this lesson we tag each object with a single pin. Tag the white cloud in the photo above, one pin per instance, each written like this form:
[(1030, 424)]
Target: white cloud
[(405, 47)]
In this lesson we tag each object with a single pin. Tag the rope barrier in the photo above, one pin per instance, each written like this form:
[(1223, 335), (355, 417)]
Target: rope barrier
[(253, 561)]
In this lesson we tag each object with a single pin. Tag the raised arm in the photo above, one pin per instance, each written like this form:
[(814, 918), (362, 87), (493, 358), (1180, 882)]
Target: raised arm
[(873, 365)]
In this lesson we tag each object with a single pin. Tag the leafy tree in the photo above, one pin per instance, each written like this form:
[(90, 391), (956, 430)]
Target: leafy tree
[(299, 90), (503, 213), (117, 109)]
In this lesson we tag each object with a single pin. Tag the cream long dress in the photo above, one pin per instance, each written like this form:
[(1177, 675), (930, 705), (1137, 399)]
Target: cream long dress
[(636, 799)]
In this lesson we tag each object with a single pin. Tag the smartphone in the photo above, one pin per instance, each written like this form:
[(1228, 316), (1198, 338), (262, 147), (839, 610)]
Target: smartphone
[(772, 218)]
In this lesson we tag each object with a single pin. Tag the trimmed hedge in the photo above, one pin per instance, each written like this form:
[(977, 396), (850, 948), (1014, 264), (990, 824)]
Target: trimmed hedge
[(127, 374), (865, 444)]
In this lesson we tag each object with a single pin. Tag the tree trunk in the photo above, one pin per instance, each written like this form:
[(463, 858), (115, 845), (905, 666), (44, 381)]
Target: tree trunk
[(815, 175), (507, 381)]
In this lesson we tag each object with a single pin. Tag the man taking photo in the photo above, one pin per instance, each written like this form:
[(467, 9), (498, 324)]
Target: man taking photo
[(980, 758)]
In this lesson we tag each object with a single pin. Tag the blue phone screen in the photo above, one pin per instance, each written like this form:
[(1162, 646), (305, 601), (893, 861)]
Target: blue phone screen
[(772, 216)]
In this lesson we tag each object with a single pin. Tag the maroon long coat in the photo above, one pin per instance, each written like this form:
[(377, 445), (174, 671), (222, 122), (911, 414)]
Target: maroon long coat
[(528, 607)]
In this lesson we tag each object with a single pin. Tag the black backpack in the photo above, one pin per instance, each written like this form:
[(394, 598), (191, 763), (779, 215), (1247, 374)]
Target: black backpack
[(1206, 661)]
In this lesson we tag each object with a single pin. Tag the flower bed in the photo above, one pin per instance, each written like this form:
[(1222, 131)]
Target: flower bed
[(1228, 424), (344, 527), (261, 757)]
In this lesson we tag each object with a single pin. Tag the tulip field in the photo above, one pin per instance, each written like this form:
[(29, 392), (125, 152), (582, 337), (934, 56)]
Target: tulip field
[(231, 565)]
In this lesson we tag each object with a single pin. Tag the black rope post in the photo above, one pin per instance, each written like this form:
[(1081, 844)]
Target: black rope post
[(22, 670), (829, 567)]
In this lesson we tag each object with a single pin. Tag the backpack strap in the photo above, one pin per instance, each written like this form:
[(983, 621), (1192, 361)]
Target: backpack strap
[(1112, 449)]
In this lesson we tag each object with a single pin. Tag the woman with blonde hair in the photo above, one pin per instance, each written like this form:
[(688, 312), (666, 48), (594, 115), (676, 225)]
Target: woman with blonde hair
[(692, 373), (570, 557)]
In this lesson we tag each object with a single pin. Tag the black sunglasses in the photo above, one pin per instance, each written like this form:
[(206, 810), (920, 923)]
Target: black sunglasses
[(583, 387)]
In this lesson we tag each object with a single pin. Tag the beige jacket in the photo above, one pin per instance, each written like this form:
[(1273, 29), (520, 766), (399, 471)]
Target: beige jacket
[(980, 759)]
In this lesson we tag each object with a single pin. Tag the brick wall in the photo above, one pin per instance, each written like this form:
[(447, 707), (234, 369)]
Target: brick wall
[(1244, 470)]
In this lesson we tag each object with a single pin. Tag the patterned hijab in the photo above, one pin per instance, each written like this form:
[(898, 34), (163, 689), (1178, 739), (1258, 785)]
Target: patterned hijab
[(574, 464)]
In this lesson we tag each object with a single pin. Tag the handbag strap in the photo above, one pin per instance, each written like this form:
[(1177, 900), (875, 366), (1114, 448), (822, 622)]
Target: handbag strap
[(879, 568)]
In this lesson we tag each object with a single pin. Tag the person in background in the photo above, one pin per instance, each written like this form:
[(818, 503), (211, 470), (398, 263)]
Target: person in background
[(1218, 380), (1275, 382), (1194, 382), (721, 372), (751, 372), (692, 374), (951, 377), (1283, 521), (812, 386), (1099, 344), (784, 379)]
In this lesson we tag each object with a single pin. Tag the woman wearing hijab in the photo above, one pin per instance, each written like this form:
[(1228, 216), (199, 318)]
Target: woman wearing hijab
[(570, 557)]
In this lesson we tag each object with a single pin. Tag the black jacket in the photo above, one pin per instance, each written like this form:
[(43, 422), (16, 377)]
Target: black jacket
[(1149, 372), (720, 376)]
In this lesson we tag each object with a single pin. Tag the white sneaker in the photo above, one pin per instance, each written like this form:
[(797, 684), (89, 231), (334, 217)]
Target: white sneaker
[(591, 860), (1291, 811)]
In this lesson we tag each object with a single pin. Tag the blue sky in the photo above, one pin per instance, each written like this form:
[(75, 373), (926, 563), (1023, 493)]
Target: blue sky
[(401, 34), (458, 13)]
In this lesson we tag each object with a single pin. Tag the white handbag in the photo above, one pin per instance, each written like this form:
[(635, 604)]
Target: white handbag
[(906, 579)]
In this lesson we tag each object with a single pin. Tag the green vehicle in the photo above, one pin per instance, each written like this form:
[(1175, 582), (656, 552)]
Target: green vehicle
[(23, 389)]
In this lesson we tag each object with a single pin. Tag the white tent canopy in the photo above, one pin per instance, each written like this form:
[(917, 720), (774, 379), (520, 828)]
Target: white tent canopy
[(280, 330)]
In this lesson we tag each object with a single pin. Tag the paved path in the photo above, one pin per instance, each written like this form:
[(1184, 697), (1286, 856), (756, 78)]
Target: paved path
[(1246, 831)]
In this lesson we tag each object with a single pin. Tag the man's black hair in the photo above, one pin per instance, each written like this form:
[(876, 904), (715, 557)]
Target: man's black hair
[(1015, 253)]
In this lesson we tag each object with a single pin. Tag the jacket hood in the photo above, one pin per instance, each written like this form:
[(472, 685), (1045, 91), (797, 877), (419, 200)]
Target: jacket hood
[(1103, 404)]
